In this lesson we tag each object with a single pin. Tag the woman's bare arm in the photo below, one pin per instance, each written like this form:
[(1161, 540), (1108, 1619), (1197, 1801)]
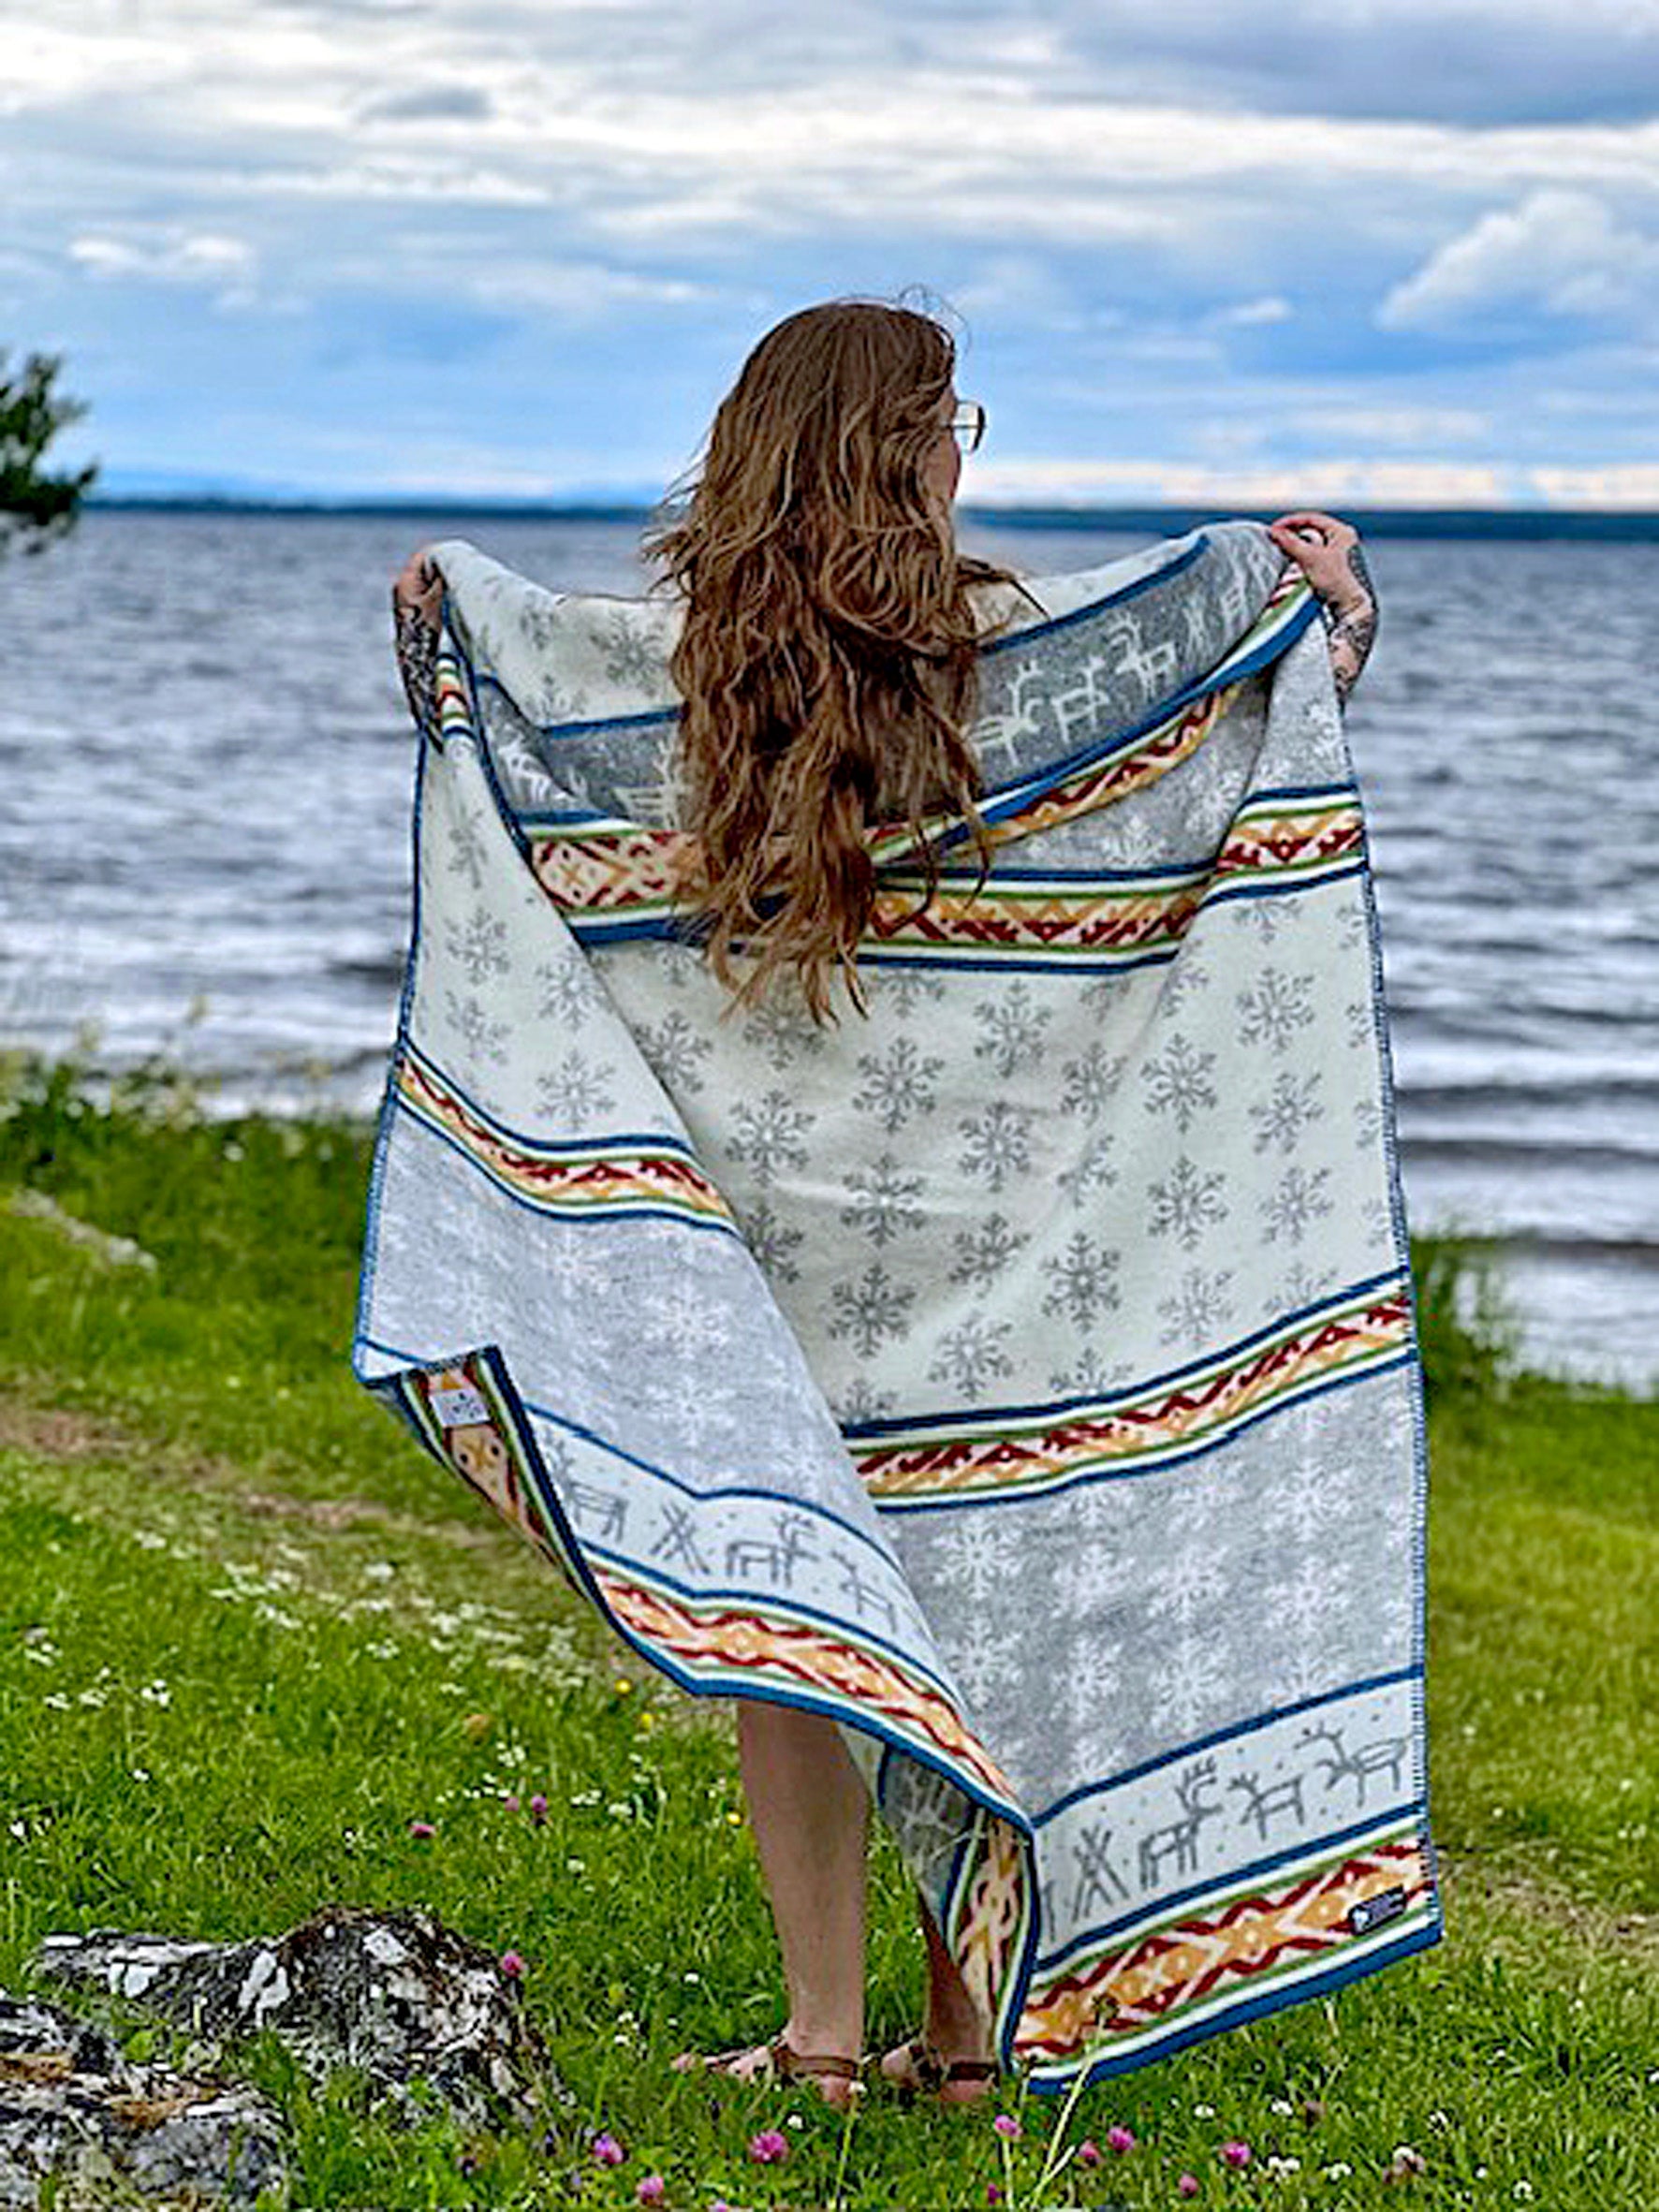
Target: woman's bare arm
[(1328, 553), (416, 596)]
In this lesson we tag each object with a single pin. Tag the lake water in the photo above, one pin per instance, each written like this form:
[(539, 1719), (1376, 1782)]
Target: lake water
[(204, 789)]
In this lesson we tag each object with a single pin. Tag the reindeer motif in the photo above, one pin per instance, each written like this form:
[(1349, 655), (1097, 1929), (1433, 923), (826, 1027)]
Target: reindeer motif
[(1154, 665), (863, 1594), (587, 1500), (1080, 707), (1001, 732), (1371, 1758), (744, 1555), (1097, 1877), (1284, 1797), (1180, 1836)]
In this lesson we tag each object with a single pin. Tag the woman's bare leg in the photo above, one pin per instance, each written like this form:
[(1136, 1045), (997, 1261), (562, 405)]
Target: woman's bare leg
[(810, 1812), (952, 2024), (808, 1809)]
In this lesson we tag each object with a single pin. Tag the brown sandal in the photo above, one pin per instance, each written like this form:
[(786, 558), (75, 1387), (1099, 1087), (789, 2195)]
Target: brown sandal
[(927, 2070), (780, 2062)]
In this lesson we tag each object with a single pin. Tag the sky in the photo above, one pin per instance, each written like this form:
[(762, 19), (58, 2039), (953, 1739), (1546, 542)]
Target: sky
[(1330, 252)]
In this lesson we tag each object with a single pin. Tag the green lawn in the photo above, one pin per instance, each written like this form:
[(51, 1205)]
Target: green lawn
[(248, 1634)]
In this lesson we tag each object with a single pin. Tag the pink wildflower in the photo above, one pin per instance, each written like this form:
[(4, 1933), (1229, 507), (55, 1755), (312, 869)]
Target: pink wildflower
[(538, 1809), (422, 1831), (511, 1801), (511, 1963), (607, 2151), (1237, 2154), (1121, 2139), (1007, 2126), (652, 2190), (768, 2148), (1088, 2152), (1188, 2185), (992, 2194)]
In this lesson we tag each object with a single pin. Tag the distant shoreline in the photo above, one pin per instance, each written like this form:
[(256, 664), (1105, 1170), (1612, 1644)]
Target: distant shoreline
[(1616, 526)]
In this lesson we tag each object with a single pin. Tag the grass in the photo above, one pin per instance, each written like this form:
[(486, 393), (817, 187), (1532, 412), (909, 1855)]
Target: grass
[(248, 1635)]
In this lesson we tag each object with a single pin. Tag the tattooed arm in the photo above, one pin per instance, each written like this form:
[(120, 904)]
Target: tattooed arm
[(416, 596), (1329, 555)]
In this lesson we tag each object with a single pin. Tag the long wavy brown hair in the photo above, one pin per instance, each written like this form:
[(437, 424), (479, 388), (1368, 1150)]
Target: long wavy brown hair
[(827, 662)]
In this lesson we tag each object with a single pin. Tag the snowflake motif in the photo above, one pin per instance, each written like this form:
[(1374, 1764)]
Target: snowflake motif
[(1084, 1576), (1092, 1694), (1301, 1199), (773, 1242), (631, 658), (467, 853), (1186, 1203), (1261, 914), (673, 1049), (478, 945), (883, 1201), (971, 1354), (481, 1038), (770, 1135), (1377, 1220), (859, 1402), (998, 1142), (904, 988), (1361, 1022), (1368, 1122), (686, 1326), (873, 1308), (1277, 1006), (977, 1556), (982, 1253), (1013, 1029), (570, 991), (1188, 1588), (1092, 1377), (1198, 1306), (1090, 1081), (784, 1034), (1184, 978), (679, 961), (1083, 1286), (578, 1089), (1302, 1287), (1351, 925), (1093, 1172), (897, 1084), (1178, 1082), (1281, 1119), (1185, 1691)]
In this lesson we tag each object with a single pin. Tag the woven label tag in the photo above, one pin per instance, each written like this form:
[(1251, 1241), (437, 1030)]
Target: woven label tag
[(1372, 1911), (459, 1408)]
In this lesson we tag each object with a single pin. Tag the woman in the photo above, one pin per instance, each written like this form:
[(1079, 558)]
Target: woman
[(826, 663)]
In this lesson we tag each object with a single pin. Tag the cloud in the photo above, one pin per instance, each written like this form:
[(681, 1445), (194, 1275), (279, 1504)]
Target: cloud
[(226, 266), (1558, 252), (1332, 483), (433, 103)]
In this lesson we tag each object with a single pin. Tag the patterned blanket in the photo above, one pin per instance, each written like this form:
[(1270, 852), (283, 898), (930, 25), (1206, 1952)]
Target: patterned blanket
[(1022, 1374)]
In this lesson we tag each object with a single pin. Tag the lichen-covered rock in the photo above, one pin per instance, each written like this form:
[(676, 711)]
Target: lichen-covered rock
[(396, 1995), (107, 2130)]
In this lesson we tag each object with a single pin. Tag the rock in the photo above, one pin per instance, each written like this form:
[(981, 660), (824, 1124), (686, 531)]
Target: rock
[(395, 1995), (72, 2107)]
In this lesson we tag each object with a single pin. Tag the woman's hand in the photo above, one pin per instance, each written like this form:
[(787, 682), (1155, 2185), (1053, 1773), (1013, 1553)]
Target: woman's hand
[(1328, 552), (416, 609), (419, 588)]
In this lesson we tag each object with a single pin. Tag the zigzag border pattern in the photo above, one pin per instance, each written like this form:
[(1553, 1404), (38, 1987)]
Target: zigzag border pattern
[(1352, 1337), (620, 1180), (1147, 1983)]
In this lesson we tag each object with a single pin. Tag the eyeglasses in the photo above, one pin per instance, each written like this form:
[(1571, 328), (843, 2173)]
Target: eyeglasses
[(967, 425)]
